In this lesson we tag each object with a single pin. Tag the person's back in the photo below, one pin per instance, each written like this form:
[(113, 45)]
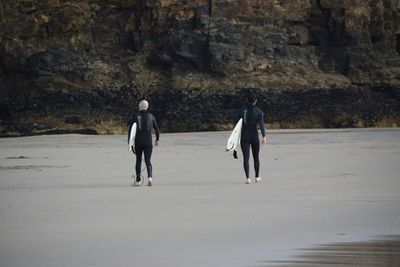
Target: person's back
[(252, 117), (145, 122)]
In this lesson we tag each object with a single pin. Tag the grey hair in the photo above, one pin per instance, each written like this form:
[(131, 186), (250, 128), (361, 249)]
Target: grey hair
[(143, 105)]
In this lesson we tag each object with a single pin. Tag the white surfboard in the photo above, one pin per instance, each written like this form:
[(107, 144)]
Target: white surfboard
[(132, 136), (234, 138)]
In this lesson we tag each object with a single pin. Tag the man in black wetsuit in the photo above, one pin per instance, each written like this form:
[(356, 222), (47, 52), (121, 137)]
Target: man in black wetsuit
[(252, 116), (145, 121)]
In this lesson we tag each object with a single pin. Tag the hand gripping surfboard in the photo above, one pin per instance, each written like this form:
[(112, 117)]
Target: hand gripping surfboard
[(132, 135), (234, 138)]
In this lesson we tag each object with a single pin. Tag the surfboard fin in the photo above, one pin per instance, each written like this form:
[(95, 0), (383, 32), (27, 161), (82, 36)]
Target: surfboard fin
[(235, 154)]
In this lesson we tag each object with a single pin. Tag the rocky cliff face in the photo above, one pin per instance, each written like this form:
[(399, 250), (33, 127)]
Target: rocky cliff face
[(83, 65)]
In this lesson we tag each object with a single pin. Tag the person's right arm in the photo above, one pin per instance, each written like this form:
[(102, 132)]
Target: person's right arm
[(157, 130)]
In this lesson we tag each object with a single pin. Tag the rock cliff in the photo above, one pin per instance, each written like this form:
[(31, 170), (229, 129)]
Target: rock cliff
[(82, 66)]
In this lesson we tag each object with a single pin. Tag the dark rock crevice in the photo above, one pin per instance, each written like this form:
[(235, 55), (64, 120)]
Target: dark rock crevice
[(208, 40), (2, 67), (331, 36)]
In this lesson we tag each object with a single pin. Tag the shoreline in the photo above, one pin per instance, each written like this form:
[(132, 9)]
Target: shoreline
[(270, 131)]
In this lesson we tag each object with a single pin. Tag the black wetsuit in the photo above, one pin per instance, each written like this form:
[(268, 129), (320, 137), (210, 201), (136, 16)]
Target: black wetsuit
[(252, 116), (145, 121)]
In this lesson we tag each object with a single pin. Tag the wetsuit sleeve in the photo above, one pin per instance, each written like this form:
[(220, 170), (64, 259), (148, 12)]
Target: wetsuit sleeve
[(261, 123), (155, 126), (130, 121)]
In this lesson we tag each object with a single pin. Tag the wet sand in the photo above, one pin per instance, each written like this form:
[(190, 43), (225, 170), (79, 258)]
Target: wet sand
[(382, 252), (67, 201)]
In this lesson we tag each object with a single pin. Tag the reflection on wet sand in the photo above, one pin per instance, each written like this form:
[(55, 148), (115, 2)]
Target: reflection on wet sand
[(384, 251)]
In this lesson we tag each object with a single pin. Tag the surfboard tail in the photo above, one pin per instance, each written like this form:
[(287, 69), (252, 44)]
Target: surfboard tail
[(234, 138), (131, 137)]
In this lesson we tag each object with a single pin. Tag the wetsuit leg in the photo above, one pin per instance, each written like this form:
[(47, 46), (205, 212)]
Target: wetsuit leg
[(255, 148), (246, 154), (139, 152), (147, 157)]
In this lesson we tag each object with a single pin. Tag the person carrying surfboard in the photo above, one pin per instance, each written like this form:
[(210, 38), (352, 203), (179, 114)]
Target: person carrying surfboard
[(143, 144), (251, 117)]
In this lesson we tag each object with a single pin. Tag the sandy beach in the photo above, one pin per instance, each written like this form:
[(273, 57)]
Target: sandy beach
[(66, 200)]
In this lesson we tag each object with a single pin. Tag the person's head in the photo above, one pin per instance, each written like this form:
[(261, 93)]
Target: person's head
[(252, 98), (143, 105)]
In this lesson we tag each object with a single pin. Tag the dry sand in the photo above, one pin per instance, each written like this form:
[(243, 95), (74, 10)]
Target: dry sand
[(68, 200)]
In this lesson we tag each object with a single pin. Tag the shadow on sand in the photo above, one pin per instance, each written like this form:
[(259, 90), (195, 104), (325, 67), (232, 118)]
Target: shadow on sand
[(382, 252)]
